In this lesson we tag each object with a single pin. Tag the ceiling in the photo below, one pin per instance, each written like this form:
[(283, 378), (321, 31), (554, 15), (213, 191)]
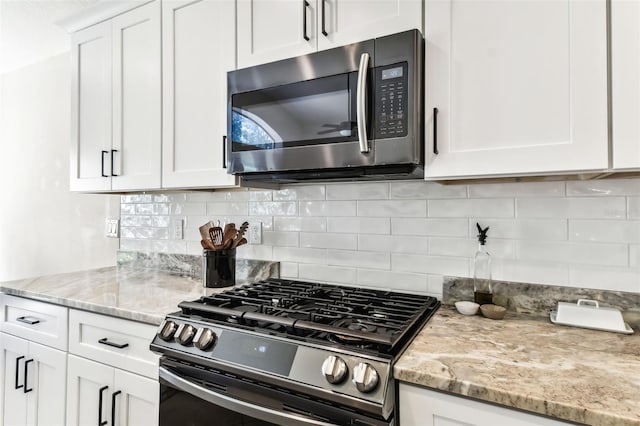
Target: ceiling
[(28, 32)]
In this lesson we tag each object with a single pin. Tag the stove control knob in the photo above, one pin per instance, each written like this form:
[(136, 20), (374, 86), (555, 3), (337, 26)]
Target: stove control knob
[(204, 338), (334, 370), (167, 330), (365, 377), (184, 334)]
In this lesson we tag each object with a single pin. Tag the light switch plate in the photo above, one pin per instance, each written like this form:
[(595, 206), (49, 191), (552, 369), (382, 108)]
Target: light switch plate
[(112, 228), (255, 233), (177, 229)]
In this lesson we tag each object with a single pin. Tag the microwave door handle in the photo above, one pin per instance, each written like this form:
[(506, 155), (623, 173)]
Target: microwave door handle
[(242, 407), (361, 104)]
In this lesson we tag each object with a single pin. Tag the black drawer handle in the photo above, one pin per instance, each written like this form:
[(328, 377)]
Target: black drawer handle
[(100, 422), (18, 372), (104, 341), (324, 28), (305, 5), (102, 162), (26, 375), (113, 407), (224, 152), (112, 152), (435, 131), (28, 320)]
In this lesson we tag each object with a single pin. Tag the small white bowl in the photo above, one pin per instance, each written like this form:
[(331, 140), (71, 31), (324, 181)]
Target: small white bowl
[(467, 308)]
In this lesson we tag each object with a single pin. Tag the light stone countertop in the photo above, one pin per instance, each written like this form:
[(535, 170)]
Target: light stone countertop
[(569, 373), (141, 295)]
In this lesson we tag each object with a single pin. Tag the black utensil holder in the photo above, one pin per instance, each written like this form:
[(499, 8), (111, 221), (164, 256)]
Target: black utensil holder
[(219, 268)]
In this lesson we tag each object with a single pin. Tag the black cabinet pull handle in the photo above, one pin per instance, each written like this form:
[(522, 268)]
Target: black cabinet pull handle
[(113, 151), (28, 320), (102, 167), (113, 407), (224, 152), (324, 29), (305, 4), (435, 131), (100, 422), (26, 375), (17, 372), (104, 341)]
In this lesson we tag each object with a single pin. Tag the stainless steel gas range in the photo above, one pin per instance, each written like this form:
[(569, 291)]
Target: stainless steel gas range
[(287, 353)]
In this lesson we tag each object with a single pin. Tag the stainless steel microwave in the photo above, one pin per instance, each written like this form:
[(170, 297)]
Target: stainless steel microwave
[(353, 112)]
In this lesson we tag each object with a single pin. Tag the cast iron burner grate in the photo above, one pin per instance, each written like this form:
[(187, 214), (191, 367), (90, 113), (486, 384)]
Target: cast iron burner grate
[(372, 320)]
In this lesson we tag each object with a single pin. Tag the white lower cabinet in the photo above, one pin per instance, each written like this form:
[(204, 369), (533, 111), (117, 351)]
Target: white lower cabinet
[(100, 393), (423, 407), (34, 384)]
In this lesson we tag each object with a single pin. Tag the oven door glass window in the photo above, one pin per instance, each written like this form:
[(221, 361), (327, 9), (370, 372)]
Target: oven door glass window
[(312, 112)]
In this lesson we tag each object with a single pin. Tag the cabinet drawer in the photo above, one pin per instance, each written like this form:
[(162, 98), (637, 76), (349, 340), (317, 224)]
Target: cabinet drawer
[(36, 321), (114, 341)]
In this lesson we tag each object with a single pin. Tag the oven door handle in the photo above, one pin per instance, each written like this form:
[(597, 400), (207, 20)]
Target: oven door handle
[(361, 103), (236, 405)]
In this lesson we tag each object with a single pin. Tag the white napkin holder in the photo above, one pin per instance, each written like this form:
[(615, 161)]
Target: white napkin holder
[(588, 314)]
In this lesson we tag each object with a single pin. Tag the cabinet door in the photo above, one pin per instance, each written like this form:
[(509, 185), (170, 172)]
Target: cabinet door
[(269, 30), (15, 352), (86, 381), (198, 50), (342, 22), (625, 83), (138, 402), (521, 87), (47, 376), (137, 98), (91, 109)]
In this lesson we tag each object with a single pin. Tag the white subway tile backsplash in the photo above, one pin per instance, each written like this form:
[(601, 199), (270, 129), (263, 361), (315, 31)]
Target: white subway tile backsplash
[(576, 208), (332, 274), (358, 191), (398, 281), (625, 231), (405, 235), (430, 227), (316, 192), (328, 240), (327, 208), (393, 244), (273, 208), (491, 207), (520, 189), (359, 225), (307, 224), (422, 190), (604, 187), (359, 259), (570, 252), (393, 208)]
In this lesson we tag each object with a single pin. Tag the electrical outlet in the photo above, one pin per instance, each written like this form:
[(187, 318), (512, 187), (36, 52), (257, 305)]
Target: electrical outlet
[(112, 228), (177, 229), (255, 233)]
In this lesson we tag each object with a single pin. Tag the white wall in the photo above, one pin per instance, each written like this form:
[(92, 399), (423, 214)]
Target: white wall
[(44, 228), (407, 235)]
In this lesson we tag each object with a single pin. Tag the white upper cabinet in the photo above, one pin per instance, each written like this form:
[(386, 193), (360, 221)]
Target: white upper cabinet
[(116, 103), (269, 30), (520, 87), (342, 22), (197, 54), (625, 83)]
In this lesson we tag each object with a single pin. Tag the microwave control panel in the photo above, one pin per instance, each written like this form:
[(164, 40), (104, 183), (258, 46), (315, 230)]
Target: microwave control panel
[(391, 101)]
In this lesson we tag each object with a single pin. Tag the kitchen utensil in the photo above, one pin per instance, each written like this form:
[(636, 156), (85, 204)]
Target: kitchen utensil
[(227, 241), (242, 242), (204, 230), (207, 244), (587, 313), (216, 235), (493, 311), (240, 234), (467, 308)]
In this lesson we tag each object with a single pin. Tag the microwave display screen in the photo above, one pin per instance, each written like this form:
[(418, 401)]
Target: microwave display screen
[(306, 113), (392, 73)]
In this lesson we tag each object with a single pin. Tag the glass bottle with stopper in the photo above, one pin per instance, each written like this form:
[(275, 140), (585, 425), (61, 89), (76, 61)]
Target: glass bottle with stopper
[(482, 291)]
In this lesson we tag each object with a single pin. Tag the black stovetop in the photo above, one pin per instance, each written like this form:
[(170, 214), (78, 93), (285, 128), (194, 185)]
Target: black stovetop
[(374, 321)]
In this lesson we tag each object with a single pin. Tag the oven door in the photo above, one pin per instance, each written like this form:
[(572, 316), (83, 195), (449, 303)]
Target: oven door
[(196, 396)]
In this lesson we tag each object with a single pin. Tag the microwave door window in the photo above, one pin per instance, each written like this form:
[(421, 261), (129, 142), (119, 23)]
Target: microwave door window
[(306, 113)]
